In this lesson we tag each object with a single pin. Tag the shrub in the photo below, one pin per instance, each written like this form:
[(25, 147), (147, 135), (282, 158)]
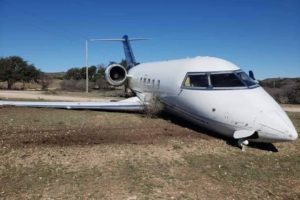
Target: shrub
[(75, 85)]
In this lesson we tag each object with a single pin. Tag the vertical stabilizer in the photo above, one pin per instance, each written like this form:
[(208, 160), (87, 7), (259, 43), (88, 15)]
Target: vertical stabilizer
[(130, 59)]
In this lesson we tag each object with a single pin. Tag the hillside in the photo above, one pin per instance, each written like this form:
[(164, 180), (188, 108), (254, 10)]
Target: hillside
[(284, 90), (56, 75)]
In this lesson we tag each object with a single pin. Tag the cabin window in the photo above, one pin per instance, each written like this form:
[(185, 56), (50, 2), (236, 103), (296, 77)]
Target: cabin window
[(145, 81), (158, 83), (149, 81), (225, 80), (153, 83), (196, 80)]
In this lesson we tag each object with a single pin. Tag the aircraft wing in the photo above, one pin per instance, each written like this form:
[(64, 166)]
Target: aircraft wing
[(130, 104)]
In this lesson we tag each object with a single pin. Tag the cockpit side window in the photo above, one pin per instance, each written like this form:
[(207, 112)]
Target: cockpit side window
[(225, 80), (196, 81), (247, 80)]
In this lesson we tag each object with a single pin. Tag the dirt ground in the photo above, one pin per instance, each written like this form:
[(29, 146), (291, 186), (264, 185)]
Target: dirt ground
[(291, 107), (67, 154)]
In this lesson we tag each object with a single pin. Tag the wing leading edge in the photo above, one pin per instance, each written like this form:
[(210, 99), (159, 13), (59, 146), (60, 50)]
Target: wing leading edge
[(130, 104)]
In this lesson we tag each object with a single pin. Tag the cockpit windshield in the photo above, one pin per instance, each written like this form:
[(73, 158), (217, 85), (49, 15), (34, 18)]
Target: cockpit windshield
[(218, 80), (225, 80)]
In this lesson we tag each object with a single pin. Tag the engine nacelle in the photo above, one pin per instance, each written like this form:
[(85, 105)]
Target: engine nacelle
[(115, 74)]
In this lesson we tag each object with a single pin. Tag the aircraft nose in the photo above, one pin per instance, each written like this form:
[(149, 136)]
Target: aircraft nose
[(290, 130), (276, 125), (293, 134)]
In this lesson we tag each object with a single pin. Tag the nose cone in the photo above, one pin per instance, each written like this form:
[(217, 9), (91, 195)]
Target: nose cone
[(276, 126), (293, 135)]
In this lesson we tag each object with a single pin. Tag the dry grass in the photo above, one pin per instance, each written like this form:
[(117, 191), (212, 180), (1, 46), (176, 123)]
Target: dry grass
[(65, 154)]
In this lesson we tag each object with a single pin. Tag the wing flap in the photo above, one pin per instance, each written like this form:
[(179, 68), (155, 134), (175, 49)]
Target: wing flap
[(130, 104)]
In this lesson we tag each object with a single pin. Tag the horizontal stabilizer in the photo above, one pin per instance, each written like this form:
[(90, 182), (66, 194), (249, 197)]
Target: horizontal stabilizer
[(119, 39), (242, 134), (131, 104), (130, 59)]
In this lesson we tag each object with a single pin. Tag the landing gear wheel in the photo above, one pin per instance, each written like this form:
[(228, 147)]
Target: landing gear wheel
[(243, 143)]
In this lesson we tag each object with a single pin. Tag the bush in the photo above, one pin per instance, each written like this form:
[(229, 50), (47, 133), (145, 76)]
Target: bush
[(102, 84), (45, 81)]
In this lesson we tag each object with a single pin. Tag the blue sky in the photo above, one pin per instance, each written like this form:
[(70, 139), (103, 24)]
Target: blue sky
[(263, 35)]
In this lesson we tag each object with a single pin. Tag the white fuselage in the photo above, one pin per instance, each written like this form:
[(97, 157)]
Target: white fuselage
[(222, 110)]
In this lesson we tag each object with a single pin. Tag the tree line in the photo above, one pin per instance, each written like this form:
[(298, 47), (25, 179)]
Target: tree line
[(94, 73), (78, 73), (74, 78), (15, 69)]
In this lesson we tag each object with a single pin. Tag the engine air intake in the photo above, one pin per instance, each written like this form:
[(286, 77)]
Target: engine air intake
[(115, 74)]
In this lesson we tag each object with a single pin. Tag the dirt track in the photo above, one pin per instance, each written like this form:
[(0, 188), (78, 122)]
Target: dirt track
[(65, 128), (291, 108)]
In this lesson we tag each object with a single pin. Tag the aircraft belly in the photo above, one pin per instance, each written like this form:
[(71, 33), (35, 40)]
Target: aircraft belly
[(198, 119)]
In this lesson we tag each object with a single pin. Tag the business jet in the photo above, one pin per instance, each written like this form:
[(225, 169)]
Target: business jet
[(208, 91)]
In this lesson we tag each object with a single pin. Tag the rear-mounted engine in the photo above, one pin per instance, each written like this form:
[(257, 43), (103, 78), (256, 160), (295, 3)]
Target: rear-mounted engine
[(115, 74)]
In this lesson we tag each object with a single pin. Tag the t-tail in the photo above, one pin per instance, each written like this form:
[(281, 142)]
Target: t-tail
[(129, 56)]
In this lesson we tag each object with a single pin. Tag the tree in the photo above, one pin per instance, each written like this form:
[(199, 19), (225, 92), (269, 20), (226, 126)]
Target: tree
[(14, 68), (73, 73), (100, 72), (92, 73), (30, 73)]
